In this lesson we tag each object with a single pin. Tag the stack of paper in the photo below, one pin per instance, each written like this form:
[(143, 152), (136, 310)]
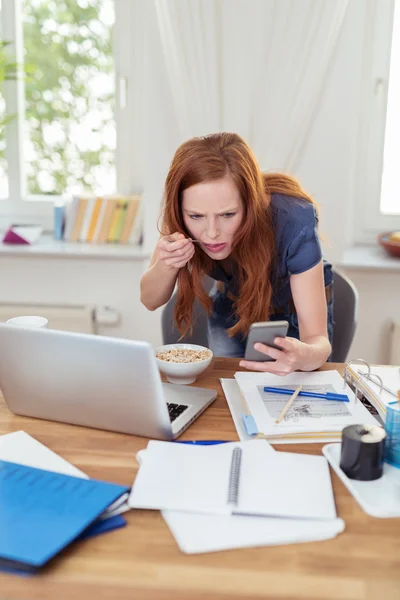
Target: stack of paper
[(371, 389), (46, 503), (282, 497), (308, 420)]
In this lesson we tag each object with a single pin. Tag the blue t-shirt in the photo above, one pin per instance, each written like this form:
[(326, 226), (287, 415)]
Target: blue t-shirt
[(297, 246)]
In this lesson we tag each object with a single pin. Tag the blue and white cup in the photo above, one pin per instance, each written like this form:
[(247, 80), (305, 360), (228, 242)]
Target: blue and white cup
[(392, 427)]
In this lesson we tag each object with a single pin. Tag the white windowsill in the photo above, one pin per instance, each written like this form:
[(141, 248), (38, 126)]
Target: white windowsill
[(47, 246), (369, 257)]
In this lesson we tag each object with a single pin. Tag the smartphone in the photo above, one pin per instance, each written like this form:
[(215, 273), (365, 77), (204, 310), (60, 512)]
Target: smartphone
[(264, 333)]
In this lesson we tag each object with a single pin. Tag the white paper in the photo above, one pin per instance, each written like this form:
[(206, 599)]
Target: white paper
[(302, 417), (235, 402), (195, 479), (236, 406), (189, 478), (196, 533), (288, 484), (19, 447), (199, 533), (29, 233)]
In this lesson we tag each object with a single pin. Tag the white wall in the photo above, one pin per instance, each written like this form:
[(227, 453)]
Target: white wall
[(379, 308), (328, 171), (82, 281)]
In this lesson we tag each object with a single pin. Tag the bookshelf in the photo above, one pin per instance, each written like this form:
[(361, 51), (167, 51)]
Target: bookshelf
[(48, 246), (113, 219)]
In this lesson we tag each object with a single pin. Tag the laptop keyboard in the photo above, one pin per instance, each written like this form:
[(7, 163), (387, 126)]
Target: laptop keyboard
[(175, 410)]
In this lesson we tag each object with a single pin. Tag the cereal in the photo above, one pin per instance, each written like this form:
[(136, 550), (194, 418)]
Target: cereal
[(183, 355)]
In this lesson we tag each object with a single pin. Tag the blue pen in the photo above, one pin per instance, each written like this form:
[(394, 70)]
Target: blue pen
[(202, 442), (327, 396)]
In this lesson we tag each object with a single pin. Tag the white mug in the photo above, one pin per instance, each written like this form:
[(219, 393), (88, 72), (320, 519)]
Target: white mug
[(29, 321)]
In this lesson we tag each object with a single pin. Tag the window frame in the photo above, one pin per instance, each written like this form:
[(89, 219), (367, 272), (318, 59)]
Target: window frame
[(19, 207), (369, 221)]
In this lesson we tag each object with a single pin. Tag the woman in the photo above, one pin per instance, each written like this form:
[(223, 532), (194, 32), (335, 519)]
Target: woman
[(256, 235)]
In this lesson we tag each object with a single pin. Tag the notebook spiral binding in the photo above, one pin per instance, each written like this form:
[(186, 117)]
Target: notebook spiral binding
[(234, 476)]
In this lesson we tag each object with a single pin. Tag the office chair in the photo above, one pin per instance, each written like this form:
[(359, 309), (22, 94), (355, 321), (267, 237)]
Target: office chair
[(345, 310), (345, 313), (170, 331)]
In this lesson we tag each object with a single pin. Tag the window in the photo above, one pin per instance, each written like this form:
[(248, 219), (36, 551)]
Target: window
[(378, 196), (390, 193), (69, 133), (70, 105), (3, 120)]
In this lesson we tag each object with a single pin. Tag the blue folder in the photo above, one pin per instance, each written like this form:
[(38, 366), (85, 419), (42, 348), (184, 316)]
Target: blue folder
[(42, 512)]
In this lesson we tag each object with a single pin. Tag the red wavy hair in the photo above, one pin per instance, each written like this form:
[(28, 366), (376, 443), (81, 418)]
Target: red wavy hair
[(210, 158)]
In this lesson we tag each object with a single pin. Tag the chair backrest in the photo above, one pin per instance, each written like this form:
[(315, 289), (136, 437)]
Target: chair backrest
[(345, 312), (171, 333)]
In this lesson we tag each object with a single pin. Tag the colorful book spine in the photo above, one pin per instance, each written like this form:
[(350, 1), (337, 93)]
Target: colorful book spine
[(95, 216), (80, 216), (120, 223), (131, 214)]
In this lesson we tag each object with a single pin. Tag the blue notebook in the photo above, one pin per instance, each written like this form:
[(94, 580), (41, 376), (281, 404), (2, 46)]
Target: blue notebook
[(41, 512)]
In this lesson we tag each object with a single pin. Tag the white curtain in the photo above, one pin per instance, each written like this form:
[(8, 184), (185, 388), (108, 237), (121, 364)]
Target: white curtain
[(254, 67), (189, 36)]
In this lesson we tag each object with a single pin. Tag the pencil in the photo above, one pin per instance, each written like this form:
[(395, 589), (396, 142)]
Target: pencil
[(288, 404)]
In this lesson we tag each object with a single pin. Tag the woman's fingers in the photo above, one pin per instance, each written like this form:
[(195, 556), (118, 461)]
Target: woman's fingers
[(273, 367), (272, 352), (174, 246), (175, 260)]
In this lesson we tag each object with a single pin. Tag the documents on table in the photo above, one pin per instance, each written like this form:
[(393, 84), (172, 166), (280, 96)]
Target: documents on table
[(310, 419)]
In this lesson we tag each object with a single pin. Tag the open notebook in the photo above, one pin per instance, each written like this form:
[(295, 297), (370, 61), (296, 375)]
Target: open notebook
[(233, 478), (308, 420)]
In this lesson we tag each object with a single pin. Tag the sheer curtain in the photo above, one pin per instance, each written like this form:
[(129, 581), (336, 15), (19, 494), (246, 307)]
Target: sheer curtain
[(189, 34), (257, 68)]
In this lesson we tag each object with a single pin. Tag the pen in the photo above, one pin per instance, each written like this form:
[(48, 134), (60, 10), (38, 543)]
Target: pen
[(202, 442), (327, 396)]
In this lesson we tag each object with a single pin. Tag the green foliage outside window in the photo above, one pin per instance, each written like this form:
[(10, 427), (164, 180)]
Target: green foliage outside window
[(69, 96)]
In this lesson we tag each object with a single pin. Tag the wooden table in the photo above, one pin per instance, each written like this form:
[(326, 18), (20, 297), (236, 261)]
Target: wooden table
[(142, 560)]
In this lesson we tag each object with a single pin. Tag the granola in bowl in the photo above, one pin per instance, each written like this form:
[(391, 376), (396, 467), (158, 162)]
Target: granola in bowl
[(183, 355), (182, 363)]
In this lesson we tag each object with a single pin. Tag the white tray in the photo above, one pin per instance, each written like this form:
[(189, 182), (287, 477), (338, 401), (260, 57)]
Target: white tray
[(379, 498)]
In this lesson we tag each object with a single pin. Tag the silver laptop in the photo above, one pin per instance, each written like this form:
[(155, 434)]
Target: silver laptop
[(95, 381)]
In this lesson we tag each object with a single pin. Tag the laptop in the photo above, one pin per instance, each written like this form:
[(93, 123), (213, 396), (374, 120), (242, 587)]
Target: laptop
[(94, 381)]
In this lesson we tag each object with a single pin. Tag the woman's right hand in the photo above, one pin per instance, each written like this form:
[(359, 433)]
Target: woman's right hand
[(175, 250)]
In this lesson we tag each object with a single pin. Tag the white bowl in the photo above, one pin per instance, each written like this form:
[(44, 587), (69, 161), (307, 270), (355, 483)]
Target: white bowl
[(182, 372)]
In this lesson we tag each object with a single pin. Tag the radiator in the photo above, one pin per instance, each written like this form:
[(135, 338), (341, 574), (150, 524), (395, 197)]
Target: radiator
[(68, 318), (394, 357)]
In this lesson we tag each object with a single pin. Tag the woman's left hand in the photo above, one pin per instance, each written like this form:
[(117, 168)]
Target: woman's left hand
[(291, 358)]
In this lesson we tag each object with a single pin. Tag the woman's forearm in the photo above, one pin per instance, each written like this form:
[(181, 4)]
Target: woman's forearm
[(317, 353), (157, 285)]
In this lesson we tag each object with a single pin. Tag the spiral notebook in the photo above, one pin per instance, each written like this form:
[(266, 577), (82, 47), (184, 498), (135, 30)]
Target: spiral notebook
[(241, 478)]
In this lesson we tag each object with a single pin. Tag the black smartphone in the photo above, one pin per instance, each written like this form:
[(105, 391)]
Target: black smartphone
[(264, 333)]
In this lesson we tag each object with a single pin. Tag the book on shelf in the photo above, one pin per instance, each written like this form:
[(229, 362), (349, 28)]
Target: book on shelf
[(86, 219), (114, 219), (93, 222)]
